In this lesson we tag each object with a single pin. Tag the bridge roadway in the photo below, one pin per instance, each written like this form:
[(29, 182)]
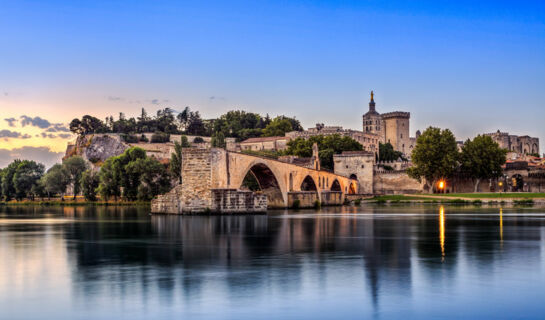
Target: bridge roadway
[(206, 171)]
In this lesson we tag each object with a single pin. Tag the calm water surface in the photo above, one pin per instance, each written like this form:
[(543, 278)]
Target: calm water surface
[(379, 262)]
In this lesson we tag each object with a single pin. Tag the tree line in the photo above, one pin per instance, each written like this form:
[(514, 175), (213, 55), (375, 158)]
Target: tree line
[(130, 176), (237, 124), (436, 156)]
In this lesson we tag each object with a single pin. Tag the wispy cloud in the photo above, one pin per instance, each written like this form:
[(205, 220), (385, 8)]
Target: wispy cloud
[(216, 98), (40, 154), (114, 98), (64, 135), (13, 134), (57, 127), (36, 122), (11, 121), (48, 135)]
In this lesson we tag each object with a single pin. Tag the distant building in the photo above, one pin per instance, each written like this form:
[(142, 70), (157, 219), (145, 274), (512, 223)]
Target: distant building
[(518, 144), (264, 143)]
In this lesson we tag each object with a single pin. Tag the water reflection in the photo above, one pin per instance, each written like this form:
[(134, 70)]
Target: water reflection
[(383, 261)]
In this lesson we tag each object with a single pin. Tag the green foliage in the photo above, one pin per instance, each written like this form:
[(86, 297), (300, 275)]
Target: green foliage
[(143, 138), (75, 166), (26, 178), (129, 138), (387, 152), (482, 158), (296, 204), (218, 140), (160, 137), (263, 153), (56, 180), (233, 124), (198, 140), (435, 156), (327, 145), (8, 188), (140, 177), (176, 160), (278, 127), (89, 185), (357, 202), (185, 143), (317, 204), (250, 182)]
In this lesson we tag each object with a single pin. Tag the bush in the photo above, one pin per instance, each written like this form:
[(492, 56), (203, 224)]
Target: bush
[(317, 204), (143, 138), (160, 137), (296, 204), (198, 140), (527, 202), (381, 201), (357, 202), (129, 138), (477, 202)]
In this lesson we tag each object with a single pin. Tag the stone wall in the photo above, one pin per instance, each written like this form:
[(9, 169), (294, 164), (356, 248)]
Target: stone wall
[(307, 199), (359, 164), (395, 182), (169, 202), (237, 201), (332, 198)]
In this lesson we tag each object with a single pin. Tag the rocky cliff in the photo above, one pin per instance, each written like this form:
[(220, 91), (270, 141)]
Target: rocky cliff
[(96, 148)]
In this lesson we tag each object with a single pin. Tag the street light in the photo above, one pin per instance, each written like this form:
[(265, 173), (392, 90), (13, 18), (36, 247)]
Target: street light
[(441, 185)]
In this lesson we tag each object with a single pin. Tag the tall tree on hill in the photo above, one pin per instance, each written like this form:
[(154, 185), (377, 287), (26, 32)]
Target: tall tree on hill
[(8, 188), (434, 157), (482, 158)]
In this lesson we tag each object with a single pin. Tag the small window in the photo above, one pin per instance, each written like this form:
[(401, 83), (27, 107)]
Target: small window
[(402, 136), (346, 167), (362, 166)]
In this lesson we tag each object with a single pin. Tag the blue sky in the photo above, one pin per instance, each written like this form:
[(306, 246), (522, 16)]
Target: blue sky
[(472, 66)]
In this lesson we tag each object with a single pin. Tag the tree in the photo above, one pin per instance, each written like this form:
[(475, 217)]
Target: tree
[(328, 145), (176, 161), (278, 127), (434, 157), (218, 140), (153, 177), (185, 143), (8, 188), (482, 158), (387, 152), (56, 180), (109, 185), (26, 177), (89, 184), (75, 166)]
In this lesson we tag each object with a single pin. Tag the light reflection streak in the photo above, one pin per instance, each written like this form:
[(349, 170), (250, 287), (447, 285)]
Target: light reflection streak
[(442, 231), (501, 228)]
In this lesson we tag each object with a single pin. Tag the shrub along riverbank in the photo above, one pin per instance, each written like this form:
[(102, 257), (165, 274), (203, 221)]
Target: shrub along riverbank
[(57, 202)]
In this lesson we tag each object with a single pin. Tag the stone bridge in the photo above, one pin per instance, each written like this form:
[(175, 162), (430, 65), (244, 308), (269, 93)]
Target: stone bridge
[(213, 178)]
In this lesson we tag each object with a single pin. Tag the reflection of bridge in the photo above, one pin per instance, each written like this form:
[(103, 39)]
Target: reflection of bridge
[(212, 179)]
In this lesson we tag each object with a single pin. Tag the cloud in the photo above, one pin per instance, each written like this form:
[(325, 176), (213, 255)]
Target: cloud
[(5, 94), (64, 135), (114, 98), (40, 154), (216, 98), (11, 121), (158, 101), (13, 134), (36, 121), (48, 135), (57, 127)]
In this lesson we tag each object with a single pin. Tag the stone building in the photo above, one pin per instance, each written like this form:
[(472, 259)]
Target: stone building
[(518, 144), (391, 127), (265, 143), (356, 165)]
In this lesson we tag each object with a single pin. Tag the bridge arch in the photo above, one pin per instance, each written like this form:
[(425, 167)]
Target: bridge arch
[(308, 184), (268, 182), (336, 186)]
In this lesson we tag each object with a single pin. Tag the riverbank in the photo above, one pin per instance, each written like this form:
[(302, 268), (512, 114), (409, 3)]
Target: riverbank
[(74, 203), (464, 198)]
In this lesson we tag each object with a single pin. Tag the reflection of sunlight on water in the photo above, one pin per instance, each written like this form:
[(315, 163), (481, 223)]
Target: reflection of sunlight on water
[(442, 231), (501, 228)]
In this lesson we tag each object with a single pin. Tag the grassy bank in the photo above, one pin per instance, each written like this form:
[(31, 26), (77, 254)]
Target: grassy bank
[(449, 200), (74, 203), (497, 195)]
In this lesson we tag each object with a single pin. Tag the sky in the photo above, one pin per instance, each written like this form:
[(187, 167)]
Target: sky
[(470, 66)]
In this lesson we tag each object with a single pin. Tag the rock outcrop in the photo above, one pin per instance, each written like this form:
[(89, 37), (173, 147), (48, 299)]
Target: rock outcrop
[(96, 148)]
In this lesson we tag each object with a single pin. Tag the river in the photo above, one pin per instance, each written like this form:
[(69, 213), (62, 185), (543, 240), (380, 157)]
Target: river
[(375, 261)]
